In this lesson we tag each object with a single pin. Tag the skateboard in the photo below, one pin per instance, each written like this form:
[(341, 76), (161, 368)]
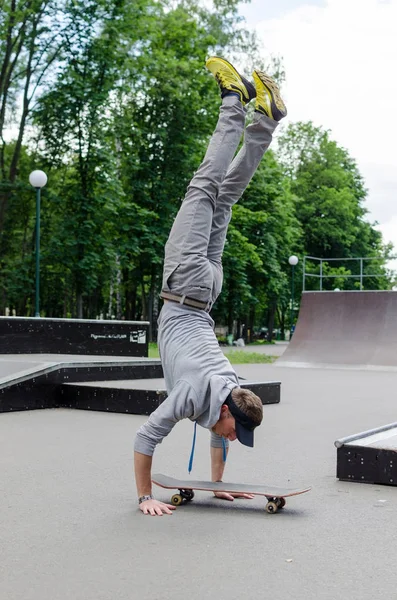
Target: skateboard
[(275, 495)]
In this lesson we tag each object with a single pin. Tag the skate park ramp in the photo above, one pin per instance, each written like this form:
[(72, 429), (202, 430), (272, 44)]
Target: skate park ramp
[(348, 330)]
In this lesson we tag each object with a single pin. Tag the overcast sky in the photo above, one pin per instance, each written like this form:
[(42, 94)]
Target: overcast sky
[(340, 61)]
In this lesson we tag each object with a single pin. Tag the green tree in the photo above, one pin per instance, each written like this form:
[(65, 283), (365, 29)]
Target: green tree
[(32, 35), (330, 199), (125, 126), (263, 233), (163, 130), (74, 120)]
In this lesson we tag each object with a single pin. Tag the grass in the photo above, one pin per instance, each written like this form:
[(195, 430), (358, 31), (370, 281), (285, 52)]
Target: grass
[(153, 350), (236, 357), (241, 357)]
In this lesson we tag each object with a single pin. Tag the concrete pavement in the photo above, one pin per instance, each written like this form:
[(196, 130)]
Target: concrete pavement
[(70, 528)]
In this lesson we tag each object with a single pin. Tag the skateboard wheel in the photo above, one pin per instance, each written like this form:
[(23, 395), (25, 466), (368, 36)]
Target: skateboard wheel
[(187, 495), (271, 507), (281, 502), (176, 499)]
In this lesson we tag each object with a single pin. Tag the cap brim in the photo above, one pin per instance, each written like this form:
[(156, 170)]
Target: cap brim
[(245, 436)]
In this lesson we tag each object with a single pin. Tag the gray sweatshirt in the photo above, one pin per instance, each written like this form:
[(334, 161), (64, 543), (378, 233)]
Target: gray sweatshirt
[(198, 376)]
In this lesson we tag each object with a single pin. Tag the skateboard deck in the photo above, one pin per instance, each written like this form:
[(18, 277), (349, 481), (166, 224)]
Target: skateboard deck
[(275, 495)]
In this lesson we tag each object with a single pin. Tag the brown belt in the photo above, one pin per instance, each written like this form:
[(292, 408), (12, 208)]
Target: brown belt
[(185, 300)]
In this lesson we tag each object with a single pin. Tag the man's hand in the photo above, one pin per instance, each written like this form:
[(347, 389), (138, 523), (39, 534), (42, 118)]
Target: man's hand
[(231, 497), (156, 508)]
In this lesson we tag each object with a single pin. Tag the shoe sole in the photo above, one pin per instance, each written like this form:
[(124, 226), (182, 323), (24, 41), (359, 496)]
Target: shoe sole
[(249, 88), (273, 90)]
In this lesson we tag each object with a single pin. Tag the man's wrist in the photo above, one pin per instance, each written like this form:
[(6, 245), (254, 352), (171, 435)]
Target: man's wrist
[(144, 498)]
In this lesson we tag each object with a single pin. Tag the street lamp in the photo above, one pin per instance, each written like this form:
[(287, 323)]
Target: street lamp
[(37, 179), (293, 261)]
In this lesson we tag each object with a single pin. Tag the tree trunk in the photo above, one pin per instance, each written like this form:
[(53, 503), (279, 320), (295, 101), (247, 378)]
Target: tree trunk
[(152, 293), (143, 300), (12, 44), (5, 84), (155, 313), (65, 303), (79, 303), (25, 104), (110, 303), (250, 325), (134, 304), (130, 296), (230, 319), (238, 331), (270, 326), (150, 314), (281, 319), (118, 288)]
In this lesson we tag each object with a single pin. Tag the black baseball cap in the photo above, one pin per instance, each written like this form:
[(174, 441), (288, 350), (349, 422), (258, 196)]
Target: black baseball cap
[(244, 425)]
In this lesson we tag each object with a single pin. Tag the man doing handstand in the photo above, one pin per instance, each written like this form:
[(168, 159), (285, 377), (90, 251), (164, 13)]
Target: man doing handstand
[(201, 383)]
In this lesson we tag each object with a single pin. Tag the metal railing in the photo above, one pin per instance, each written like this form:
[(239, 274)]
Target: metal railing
[(321, 276)]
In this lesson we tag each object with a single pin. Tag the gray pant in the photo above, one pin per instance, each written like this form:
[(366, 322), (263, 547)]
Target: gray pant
[(193, 252)]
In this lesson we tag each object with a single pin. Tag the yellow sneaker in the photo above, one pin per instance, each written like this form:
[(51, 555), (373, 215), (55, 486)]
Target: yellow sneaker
[(230, 80), (268, 99)]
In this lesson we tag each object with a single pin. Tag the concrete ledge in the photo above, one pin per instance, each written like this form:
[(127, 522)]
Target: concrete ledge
[(115, 385), (369, 457), (124, 397), (42, 389), (22, 335)]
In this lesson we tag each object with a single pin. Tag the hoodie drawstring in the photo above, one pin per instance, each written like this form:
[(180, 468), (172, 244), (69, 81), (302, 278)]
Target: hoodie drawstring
[(192, 452), (194, 445), (224, 449)]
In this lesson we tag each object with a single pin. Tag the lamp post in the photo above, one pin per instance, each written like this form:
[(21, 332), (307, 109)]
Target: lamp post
[(293, 261), (37, 179)]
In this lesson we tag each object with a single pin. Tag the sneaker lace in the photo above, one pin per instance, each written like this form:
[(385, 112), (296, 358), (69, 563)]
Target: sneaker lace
[(221, 79)]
